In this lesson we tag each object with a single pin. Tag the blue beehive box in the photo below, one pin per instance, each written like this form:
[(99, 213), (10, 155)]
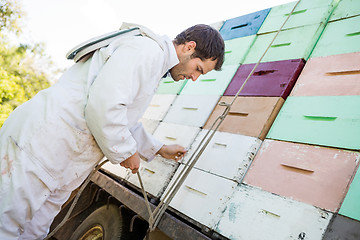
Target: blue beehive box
[(244, 25)]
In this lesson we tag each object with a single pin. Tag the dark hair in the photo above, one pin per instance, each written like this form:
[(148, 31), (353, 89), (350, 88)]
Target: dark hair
[(209, 43)]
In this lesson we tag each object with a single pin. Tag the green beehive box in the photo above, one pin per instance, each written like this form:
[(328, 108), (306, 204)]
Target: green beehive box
[(351, 205), (307, 12), (346, 9), (237, 48), (293, 43), (332, 121), (169, 86), (339, 37), (212, 83)]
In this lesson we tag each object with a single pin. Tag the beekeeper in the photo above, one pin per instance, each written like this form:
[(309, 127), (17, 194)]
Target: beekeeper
[(51, 143)]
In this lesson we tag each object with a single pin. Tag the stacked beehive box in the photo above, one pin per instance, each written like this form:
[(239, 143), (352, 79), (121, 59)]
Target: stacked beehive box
[(304, 165), (311, 152)]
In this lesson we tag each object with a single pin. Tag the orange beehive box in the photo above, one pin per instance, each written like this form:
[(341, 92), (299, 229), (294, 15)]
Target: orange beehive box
[(307, 173), (250, 116), (334, 75)]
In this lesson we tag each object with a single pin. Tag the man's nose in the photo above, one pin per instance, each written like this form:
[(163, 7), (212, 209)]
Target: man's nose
[(194, 77)]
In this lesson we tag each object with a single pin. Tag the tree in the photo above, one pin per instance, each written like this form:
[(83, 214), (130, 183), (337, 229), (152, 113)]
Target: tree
[(10, 15), (20, 75)]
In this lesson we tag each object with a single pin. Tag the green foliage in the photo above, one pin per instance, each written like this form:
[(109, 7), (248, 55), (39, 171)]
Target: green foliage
[(10, 14), (21, 71)]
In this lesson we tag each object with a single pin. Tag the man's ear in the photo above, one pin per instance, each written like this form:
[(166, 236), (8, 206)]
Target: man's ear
[(190, 46)]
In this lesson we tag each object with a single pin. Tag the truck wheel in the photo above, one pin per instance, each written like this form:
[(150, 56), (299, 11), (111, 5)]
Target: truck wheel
[(105, 223)]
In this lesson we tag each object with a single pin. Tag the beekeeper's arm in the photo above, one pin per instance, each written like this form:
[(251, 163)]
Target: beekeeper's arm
[(173, 151), (118, 85)]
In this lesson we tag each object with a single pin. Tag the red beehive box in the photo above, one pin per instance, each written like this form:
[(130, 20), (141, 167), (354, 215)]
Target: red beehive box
[(270, 79)]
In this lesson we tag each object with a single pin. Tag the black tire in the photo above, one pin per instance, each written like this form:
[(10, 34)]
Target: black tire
[(106, 220)]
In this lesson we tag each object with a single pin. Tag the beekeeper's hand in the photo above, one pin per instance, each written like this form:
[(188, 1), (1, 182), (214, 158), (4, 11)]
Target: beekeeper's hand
[(133, 163), (173, 151)]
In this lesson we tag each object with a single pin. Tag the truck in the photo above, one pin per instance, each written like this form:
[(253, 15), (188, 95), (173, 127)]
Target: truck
[(283, 163)]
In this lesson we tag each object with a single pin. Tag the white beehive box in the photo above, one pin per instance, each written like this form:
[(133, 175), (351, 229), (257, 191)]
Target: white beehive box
[(157, 174), (228, 155), (159, 106), (202, 196), (257, 215)]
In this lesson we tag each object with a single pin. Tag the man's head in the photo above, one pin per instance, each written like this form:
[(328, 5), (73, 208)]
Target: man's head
[(200, 49)]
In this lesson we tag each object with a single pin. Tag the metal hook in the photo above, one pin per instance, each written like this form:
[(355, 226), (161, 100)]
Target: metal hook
[(132, 222)]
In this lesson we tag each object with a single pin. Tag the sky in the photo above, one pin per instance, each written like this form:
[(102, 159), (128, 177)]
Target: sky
[(61, 25)]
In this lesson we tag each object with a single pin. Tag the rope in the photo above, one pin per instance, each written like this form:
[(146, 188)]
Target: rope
[(83, 186), (155, 217), (164, 203)]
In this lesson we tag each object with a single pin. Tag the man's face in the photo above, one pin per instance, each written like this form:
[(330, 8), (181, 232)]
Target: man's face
[(188, 67)]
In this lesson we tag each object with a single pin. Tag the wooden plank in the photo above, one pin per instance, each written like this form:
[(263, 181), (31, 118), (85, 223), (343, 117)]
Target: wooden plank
[(227, 155), (191, 110), (321, 120), (339, 37), (242, 26), (237, 48), (292, 43), (169, 86), (255, 214), (335, 75), (159, 106), (250, 116), (315, 175), (346, 9), (307, 12), (202, 196), (270, 79), (212, 83)]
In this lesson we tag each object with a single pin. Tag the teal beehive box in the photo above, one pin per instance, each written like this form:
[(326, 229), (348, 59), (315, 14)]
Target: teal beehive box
[(212, 83), (346, 9), (169, 86), (332, 121), (236, 49), (351, 204), (339, 37), (243, 26), (307, 12), (293, 43)]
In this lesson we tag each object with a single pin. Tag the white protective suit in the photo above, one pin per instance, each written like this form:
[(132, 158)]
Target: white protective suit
[(51, 143)]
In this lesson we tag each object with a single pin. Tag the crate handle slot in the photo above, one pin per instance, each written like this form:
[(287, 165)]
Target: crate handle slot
[(296, 12), (150, 171), (259, 73), (171, 138), (239, 26), (154, 105), (281, 45), (350, 72), (196, 191), (305, 170), (320, 118), (269, 213), (239, 114), (208, 80), (190, 108), (353, 34), (219, 145)]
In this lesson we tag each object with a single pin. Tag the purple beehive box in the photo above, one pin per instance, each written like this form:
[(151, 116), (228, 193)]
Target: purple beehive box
[(270, 79)]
